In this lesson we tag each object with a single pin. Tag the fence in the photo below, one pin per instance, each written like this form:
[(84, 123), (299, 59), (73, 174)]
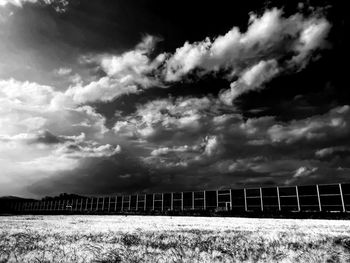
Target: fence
[(309, 198)]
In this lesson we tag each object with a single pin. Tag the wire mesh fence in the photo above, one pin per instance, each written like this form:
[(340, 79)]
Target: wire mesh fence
[(305, 198)]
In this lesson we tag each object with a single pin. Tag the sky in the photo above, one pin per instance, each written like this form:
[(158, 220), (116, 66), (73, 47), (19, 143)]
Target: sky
[(106, 97)]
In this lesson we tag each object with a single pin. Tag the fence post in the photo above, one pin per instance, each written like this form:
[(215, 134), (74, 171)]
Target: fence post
[(103, 203), (298, 201), (217, 198), (122, 203), (115, 204), (172, 201), (319, 198), (230, 199), (245, 200), (145, 204), (154, 196), (278, 198), (261, 201), (162, 201), (129, 202), (342, 197), (192, 200)]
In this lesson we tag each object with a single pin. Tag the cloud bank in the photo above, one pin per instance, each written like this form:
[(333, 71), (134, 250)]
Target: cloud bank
[(56, 139), (272, 45)]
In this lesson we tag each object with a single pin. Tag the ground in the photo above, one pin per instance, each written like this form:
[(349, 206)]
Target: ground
[(171, 239)]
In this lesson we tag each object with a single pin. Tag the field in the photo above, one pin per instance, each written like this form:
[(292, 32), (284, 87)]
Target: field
[(171, 239)]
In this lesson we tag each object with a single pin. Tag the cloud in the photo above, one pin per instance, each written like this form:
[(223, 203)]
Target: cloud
[(256, 56), (159, 119), (60, 6), (251, 79), (175, 135), (160, 151), (316, 128), (211, 146), (311, 38), (267, 37), (18, 3), (28, 106), (331, 151), (304, 171), (221, 140), (272, 45), (43, 132), (59, 140), (105, 89), (63, 71), (129, 72), (167, 150)]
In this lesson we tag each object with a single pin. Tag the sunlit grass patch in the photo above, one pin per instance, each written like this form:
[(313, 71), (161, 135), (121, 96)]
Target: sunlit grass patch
[(176, 239)]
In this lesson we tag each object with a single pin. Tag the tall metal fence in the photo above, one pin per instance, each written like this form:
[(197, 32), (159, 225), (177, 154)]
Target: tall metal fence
[(308, 198)]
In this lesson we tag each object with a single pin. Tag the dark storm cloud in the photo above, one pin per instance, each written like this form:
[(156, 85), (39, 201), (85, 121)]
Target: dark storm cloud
[(191, 143), (119, 173)]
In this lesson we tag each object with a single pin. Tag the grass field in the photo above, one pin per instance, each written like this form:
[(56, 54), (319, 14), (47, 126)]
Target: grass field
[(171, 239)]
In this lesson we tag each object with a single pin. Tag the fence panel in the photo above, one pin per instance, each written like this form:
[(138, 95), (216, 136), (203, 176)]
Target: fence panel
[(238, 203), (199, 199), (210, 200), (270, 199)]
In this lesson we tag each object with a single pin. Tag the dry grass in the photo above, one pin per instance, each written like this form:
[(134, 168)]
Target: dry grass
[(166, 239)]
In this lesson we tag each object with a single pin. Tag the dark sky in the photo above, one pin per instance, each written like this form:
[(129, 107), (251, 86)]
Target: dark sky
[(100, 97)]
